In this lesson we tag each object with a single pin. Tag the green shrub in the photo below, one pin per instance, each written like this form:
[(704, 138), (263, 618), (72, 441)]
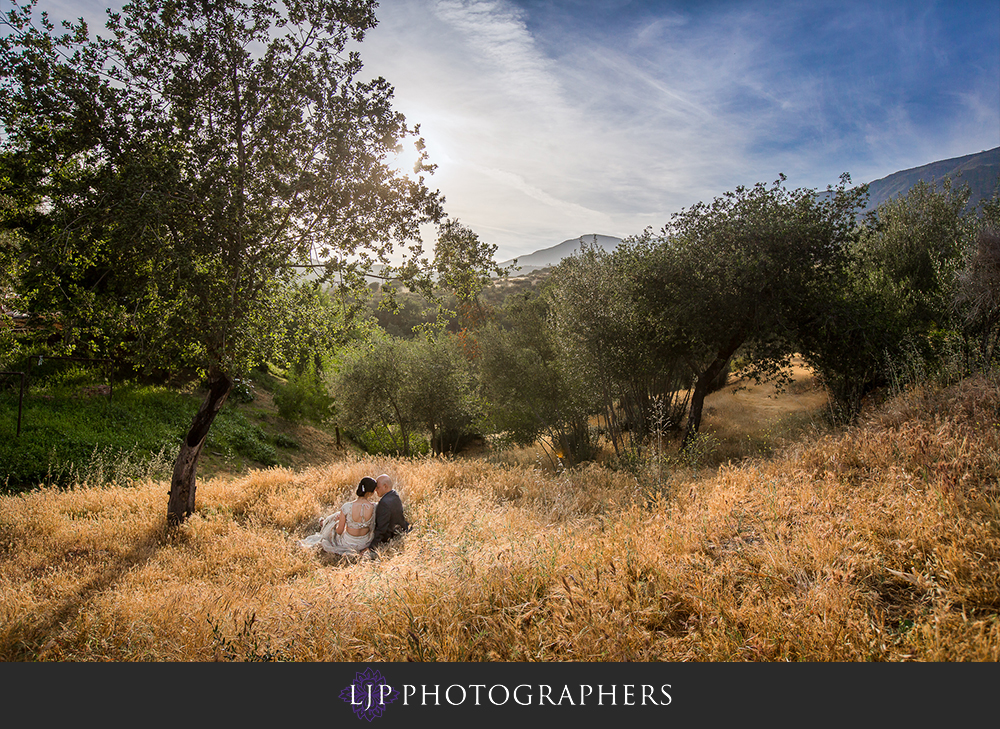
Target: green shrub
[(381, 440), (283, 440), (303, 396), (242, 392), (233, 434)]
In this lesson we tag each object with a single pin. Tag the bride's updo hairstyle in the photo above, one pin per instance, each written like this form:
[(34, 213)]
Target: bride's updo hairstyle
[(366, 486)]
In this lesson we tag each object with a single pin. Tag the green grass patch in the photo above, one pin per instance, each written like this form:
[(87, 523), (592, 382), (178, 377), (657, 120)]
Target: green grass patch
[(73, 432), (234, 434), (69, 431)]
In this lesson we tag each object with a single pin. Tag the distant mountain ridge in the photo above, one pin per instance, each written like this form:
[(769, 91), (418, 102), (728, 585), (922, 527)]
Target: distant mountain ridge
[(980, 171), (552, 256)]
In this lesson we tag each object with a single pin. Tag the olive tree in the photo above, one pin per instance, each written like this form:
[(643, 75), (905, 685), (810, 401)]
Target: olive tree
[(889, 318), (200, 150), (607, 339), (532, 395), (747, 270), (440, 389), (919, 240), (403, 386), (368, 388), (979, 294)]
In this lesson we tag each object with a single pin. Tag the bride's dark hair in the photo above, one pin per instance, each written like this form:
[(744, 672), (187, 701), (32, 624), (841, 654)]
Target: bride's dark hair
[(366, 486)]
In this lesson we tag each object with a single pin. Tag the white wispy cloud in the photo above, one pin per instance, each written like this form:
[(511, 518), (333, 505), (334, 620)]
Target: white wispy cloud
[(552, 129), (572, 211), (550, 120), (500, 45), (510, 138)]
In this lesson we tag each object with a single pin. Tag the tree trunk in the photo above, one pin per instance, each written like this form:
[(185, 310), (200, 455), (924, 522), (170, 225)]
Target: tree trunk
[(564, 446), (703, 385), (182, 486)]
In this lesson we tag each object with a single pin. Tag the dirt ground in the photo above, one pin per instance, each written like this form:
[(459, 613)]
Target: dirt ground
[(763, 402)]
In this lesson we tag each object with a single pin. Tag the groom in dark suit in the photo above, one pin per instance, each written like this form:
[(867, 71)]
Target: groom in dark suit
[(389, 518)]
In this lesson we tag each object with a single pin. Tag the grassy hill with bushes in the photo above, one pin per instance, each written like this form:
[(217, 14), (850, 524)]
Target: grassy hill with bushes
[(76, 427)]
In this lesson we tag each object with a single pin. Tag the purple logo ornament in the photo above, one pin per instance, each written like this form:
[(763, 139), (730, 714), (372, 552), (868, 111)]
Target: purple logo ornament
[(369, 694)]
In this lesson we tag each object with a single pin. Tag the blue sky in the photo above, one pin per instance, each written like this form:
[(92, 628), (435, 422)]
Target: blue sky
[(553, 119)]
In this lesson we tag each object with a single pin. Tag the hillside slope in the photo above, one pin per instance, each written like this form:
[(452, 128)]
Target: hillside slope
[(980, 171), (552, 256)]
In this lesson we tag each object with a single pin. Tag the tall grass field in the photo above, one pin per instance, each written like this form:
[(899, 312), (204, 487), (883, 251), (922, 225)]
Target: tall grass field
[(879, 542)]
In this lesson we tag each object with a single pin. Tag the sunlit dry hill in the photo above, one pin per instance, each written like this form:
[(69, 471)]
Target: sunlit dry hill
[(877, 542)]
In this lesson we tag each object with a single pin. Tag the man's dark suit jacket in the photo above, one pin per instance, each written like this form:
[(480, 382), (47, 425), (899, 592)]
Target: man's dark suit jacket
[(389, 519)]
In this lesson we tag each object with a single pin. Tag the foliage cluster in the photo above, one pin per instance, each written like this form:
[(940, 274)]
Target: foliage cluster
[(618, 349), (162, 184), (304, 395), (393, 389), (902, 296)]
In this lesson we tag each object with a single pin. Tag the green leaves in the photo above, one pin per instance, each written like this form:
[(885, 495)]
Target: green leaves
[(463, 263), (404, 385), (892, 302), (235, 141), (172, 174)]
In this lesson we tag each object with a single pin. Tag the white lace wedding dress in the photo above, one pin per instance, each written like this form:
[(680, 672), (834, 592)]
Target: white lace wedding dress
[(345, 543)]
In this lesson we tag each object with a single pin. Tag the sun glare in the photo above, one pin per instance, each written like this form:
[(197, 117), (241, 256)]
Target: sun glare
[(406, 158)]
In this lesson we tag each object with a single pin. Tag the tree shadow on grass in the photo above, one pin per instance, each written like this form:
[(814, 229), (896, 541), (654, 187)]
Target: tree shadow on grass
[(35, 636)]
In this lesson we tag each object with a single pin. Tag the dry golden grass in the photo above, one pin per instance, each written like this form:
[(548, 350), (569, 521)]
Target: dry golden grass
[(745, 419), (880, 542)]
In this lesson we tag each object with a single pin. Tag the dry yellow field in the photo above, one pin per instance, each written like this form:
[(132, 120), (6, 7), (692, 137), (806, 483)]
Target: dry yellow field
[(879, 542)]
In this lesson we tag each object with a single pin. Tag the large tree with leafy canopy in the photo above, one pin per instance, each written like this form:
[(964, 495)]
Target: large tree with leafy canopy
[(892, 317), (187, 160), (607, 338), (532, 393), (752, 269)]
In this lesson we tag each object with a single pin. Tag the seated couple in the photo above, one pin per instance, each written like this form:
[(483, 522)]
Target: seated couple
[(361, 526)]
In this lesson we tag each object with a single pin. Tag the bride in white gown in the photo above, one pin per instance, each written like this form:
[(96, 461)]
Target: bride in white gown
[(350, 530)]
